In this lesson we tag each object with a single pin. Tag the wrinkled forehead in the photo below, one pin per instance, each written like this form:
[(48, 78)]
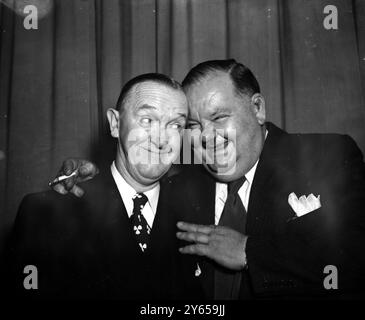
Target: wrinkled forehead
[(157, 95)]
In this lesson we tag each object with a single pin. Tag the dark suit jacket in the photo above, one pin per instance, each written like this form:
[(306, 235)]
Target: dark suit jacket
[(287, 255), (85, 248)]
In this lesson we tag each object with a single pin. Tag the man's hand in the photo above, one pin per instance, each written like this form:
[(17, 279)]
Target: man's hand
[(85, 170), (223, 245)]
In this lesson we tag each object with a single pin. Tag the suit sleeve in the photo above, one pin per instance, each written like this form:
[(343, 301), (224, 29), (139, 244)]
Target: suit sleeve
[(30, 243), (16, 257), (294, 260)]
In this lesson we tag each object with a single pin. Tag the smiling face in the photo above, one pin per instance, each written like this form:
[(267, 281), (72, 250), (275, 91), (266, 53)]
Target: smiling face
[(231, 126), (149, 128)]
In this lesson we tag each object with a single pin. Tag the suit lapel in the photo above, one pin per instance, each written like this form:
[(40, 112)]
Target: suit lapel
[(206, 216), (266, 184), (164, 224), (163, 254), (260, 188), (117, 226), (204, 202)]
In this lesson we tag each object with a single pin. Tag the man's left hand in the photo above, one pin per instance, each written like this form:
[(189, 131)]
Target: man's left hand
[(223, 245)]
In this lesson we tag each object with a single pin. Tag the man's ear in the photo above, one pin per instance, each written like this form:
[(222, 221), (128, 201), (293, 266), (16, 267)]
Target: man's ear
[(113, 118), (258, 103)]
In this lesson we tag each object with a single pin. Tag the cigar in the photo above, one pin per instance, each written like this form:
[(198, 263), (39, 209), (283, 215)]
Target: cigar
[(61, 178)]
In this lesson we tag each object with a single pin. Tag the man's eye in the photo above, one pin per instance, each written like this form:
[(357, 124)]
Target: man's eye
[(220, 117), (146, 121), (177, 126), (193, 125)]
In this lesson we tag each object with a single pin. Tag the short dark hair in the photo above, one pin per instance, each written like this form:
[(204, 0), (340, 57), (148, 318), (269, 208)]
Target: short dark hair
[(155, 77), (241, 76)]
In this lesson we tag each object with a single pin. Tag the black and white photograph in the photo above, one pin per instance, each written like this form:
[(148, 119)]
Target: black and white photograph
[(174, 151)]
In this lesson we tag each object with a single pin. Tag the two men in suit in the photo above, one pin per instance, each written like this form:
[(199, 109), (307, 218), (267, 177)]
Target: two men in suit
[(118, 241), (279, 210)]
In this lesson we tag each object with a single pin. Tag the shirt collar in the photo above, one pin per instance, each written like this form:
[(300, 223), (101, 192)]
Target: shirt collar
[(250, 174), (127, 191)]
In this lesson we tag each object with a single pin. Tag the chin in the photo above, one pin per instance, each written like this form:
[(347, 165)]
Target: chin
[(223, 174), (168, 159), (153, 172)]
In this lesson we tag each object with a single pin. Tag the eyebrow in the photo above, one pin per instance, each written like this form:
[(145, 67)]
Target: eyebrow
[(183, 115), (146, 107), (219, 110)]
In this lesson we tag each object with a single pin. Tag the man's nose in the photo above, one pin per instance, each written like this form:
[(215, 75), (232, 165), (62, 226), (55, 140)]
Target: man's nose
[(159, 137), (163, 138), (208, 136)]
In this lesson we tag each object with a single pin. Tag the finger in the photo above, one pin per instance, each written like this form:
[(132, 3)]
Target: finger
[(59, 188), (88, 170), (193, 237), (77, 191), (69, 166), (191, 227), (198, 249), (69, 182)]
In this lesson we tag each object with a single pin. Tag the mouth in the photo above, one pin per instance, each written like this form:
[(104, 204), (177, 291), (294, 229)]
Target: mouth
[(156, 151), (220, 157), (218, 147)]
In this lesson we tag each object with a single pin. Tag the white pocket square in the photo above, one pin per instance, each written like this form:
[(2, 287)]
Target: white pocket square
[(304, 204)]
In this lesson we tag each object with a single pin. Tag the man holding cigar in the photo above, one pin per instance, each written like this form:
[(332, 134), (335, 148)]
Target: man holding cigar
[(281, 209), (118, 241)]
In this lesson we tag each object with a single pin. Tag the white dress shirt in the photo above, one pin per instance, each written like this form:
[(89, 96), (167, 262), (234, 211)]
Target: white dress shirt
[(221, 192), (127, 193)]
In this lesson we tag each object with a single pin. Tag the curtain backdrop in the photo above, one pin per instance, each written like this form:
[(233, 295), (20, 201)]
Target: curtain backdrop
[(57, 81)]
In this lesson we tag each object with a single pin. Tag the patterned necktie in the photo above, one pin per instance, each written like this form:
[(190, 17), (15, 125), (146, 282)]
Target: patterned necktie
[(141, 228), (227, 283)]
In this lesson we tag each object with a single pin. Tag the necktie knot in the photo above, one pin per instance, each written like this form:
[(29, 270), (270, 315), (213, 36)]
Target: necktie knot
[(234, 186), (139, 201)]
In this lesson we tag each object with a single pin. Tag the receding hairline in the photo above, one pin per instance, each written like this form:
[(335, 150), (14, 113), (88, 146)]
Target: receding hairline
[(136, 86), (132, 90)]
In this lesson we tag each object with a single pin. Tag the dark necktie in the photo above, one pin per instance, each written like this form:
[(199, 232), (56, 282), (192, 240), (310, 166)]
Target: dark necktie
[(227, 282), (140, 227)]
